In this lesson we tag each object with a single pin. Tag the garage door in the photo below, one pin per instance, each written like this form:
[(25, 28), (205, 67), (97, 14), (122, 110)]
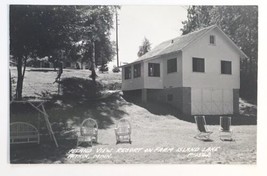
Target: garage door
[(211, 101)]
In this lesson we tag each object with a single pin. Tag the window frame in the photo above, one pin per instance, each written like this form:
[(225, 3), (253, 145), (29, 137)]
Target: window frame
[(137, 67), (153, 74), (129, 75), (223, 70), (193, 66), (168, 66)]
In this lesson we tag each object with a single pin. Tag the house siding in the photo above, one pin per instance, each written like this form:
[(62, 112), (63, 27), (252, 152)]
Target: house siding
[(236, 101), (153, 82), (207, 93), (186, 100), (213, 54), (211, 91), (171, 80), (133, 83)]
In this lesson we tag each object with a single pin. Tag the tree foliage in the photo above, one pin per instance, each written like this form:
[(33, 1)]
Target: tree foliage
[(240, 23), (38, 31), (94, 31), (144, 48)]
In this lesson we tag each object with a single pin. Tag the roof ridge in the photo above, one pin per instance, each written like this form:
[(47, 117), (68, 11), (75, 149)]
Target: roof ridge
[(179, 42), (201, 29), (190, 33)]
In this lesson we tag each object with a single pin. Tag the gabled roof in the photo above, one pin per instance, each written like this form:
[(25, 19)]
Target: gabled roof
[(178, 43)]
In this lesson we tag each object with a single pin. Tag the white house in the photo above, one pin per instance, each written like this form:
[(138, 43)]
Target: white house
[(198, 73)]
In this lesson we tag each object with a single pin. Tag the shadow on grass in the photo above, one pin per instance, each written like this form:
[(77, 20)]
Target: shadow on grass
[(70, 113), (42, 70), (65, 116), (45, 152), (165, 109)]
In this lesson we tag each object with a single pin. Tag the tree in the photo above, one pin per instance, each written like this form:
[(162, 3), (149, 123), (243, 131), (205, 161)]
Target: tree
[(240, 23), (94, 32), (144, 48), (39, 31)]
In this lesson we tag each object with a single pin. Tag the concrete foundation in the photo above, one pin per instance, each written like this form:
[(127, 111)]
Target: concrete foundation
[(179, 97)]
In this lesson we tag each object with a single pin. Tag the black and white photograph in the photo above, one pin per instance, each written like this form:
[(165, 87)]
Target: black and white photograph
[(129, 84), (133, 88)]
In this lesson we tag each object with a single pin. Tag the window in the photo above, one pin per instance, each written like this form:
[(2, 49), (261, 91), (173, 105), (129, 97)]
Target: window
[(198, 64), (212, 39), (172, 65), (137, 70), (169, 97), (154, 69), (226, 67), (128, 72)]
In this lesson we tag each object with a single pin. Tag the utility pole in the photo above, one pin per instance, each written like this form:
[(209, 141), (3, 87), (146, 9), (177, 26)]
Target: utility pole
[(117, 45)]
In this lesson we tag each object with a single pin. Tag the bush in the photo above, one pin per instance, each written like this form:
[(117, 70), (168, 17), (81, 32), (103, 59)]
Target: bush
[(113, 86), (103, 68), (80, 88), (116, 70)]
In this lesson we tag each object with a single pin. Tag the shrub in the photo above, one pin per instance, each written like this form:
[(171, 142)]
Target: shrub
[(116, 70), (80, 88), (103, 68)]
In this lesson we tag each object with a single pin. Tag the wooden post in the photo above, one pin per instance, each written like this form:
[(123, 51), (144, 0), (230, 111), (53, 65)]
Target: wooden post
[(117, 41), (144, 95)]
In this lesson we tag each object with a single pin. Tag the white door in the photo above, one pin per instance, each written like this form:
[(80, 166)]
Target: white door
[(211, 101)]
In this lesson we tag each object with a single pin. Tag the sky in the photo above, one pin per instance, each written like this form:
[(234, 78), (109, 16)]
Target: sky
[(155, 22)]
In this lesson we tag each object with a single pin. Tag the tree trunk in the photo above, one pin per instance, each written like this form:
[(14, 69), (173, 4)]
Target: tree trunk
[(24, 67), (19, 79), (10, 86), (21, 72), (54, 61), (93, 73)]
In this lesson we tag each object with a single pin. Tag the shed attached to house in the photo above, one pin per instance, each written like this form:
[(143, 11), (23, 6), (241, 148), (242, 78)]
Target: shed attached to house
[(198, 73)]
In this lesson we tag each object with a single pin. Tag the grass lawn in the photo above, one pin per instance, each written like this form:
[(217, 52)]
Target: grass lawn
[(159, 133)]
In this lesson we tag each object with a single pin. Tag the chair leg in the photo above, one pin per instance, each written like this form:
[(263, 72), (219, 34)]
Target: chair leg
[(130, 141), (197, 136), (203, 136), (227, 136), (207, 137), (95, 139)]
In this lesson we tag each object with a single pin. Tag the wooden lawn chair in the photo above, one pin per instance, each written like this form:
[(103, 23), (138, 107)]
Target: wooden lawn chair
[(225, 128), (204, 133), (22, 132), (123, 131), (88, 132)]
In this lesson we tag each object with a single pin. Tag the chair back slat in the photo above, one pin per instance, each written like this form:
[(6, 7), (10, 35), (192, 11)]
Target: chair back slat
[(90, 123), (225, 123), (123, 129), (89, 127), (123, 126), (87, 131), (201, 122), (123, 123)]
